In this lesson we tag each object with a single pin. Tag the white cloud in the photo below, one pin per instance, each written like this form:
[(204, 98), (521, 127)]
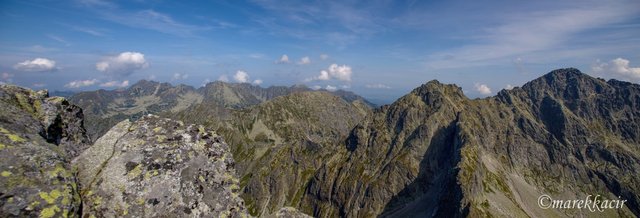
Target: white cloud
[(39, 85), (377, 86), (59, 39), (283, 60), (257, 82), (316, 87), (304, 60), (152, 20), (123, 64), (180, 76), (241, 76), (618, 68), (81, 83), (509, 87), (536, 34), (342, 73), (36, 65), (205, 82), (331, 88), (115, 84), (256, 56), (482, 89), (324, 56), (39, 49), (7, 78), (223, 78)]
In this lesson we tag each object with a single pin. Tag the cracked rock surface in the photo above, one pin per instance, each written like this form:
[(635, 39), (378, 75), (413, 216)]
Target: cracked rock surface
[(159, 167), (38, 136)]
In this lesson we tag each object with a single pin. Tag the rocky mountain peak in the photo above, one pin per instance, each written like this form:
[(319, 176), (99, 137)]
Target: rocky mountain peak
[(568, 83), (434, 88)]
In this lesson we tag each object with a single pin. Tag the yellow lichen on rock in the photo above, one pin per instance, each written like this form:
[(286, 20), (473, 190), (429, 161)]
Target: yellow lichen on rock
[(50, 197), (5, 173), (135, 172), (49, 211), (11, 136)]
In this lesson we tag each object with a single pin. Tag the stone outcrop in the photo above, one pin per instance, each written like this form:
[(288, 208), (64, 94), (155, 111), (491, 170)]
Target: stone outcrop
[(38, 136), (159, 167)]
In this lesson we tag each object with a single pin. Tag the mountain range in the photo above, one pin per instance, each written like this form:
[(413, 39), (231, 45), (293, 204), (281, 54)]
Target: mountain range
[(432, 152)]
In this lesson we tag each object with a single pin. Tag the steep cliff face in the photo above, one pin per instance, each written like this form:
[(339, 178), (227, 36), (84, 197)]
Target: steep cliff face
[(386, 153), (38, 136), (434, 152)]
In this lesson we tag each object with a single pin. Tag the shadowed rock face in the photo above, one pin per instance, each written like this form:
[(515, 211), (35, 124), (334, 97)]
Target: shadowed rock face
[(38, 136), (159, 167), (436, 153)]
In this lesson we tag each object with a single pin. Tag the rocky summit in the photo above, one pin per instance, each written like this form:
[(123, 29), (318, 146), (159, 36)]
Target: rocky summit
[(159, 167)]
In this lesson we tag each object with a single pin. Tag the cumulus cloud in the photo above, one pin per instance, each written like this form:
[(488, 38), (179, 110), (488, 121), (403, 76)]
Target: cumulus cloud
[(483, 89), (117, 84), (257, 82), (377, 86), (241, 76), (342, 72), (618, 68), (324, 57), (283, 60), (509, 87), (80, 83), (304, 60), (223, 78), (36, 65), (331, 88), (316, 87), (180, 76), (124, 64)]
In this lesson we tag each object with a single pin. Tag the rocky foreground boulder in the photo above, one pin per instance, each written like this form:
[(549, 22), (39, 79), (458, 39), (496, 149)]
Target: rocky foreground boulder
[(38, 136), (153, 167), (159, 167)]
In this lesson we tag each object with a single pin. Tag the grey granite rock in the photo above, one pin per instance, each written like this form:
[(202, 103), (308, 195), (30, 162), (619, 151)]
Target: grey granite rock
[(159, 167)]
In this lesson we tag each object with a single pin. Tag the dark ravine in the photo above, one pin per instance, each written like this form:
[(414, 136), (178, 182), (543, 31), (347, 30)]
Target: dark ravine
[(433, 152)]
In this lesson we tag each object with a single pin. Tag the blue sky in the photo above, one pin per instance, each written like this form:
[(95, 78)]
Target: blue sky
[(379, 49)]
